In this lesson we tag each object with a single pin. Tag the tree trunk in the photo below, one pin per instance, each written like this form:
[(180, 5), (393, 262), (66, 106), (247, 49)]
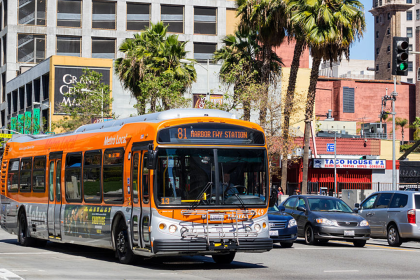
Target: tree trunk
[(265, 78), (402, 134), (288, 106), (247, 110), (310, 102)]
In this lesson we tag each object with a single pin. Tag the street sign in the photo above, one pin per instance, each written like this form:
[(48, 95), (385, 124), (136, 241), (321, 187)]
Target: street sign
[(330, 147), (2, 135)]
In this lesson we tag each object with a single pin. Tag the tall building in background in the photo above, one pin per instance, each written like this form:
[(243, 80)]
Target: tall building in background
[(34, 30), (394, 18)]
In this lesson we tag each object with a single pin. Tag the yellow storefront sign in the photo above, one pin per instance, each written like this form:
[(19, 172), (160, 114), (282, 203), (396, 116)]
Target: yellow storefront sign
[(3, 135)]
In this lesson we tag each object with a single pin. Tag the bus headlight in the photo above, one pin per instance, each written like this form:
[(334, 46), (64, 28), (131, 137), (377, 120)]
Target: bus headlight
[(257, 227), (172, 228)]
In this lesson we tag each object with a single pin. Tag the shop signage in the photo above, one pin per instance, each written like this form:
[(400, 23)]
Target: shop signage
[(65, 78), (350, 163)]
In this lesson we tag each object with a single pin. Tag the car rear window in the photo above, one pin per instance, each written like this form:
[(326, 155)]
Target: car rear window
[(417, 198), (399, 200)]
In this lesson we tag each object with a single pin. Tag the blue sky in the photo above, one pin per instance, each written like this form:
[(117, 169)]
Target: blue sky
[(365, 48)]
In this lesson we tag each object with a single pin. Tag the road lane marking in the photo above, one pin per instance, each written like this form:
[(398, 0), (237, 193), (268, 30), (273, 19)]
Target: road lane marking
[(378, 246), (341, 271), (44, 253), (6, 275)]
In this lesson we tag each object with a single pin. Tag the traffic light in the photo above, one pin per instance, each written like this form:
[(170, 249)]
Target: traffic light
[(400, 56)]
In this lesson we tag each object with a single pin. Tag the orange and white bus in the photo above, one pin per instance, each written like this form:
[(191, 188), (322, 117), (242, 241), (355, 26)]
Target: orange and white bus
[(183, 181)]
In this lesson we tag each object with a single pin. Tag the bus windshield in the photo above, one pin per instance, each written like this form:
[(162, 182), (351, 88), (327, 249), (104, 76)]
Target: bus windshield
[(200, 176)]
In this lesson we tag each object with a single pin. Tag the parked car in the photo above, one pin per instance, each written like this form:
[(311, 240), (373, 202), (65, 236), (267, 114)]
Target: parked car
[(283, 228), (322, 218), (394, 215)]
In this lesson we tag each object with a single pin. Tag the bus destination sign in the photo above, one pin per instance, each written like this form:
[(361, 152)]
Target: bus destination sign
[(211, 133)]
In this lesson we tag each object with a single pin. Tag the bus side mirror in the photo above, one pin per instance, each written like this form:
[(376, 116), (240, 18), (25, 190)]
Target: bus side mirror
[(151, 159), (273, 198)]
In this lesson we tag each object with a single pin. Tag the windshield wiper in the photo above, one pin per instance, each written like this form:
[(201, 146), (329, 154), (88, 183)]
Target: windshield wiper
[(240, 200), (197, 201)]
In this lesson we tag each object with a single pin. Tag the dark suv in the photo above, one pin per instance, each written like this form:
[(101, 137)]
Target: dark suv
[(392, 215)]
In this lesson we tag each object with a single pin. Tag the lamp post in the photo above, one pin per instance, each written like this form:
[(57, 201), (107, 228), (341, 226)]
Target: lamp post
[(186, 61), (49, 111)]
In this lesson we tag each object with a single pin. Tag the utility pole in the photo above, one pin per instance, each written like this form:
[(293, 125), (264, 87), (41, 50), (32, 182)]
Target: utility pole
[(335, 163)]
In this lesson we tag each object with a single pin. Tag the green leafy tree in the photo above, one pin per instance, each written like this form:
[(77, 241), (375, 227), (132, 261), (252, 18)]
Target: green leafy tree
[(401, 122), (91, 99), (330, 28), (416, 126), (154, 53)]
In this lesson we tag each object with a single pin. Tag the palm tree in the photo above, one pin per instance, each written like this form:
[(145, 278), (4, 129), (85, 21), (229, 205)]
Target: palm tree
[(331, 27), (401, 123), (267, 18), (153, 54)]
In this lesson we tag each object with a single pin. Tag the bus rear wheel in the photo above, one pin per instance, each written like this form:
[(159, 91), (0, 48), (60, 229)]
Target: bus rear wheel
[(224, 259), (23, 236), (122, 245)]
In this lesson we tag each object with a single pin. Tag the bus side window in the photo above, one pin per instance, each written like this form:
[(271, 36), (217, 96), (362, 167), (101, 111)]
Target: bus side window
[(145, 180), (13, 176), (72, 177), (134, 176), (26, 175), (92, 176), (38, 174), (113, 176)]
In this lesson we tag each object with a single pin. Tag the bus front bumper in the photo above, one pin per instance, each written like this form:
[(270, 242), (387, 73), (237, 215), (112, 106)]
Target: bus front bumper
[(201, 247)]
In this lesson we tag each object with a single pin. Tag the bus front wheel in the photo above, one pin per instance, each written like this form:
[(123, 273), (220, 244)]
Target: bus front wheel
[(224, 259), (23, 236), (122, 245)]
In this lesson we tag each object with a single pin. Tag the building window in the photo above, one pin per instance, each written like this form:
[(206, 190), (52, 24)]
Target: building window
[(389, 16), (389, 65), (138, 16), (409, 80), (377, 19), (409, 32), (69, 46), (388, 49), (388, 31), (377, 50), (377, 67), (377, 34), (409, 15), (69, 13), (409, 1), (205, 20), (410, 47), (174, 17), (204, 51), (31, 12), (418, 14), (103, 15), (103, 48), (31, 48), (410, 66), (348, 100)]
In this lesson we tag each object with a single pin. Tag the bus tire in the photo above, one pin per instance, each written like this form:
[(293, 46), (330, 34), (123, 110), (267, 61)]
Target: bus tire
[(224, 259), (23, 233), (122, 244)]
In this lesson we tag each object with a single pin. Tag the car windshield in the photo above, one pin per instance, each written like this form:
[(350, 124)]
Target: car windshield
[(328, 205), (200, 176), (273, 208)]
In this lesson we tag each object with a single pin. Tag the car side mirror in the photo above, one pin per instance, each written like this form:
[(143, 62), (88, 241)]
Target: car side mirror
[(357, 205), (151, 158), (300, 208), (281, 208)]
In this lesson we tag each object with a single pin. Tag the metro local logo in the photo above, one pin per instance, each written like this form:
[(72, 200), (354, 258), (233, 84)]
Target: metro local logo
[(110, 140)]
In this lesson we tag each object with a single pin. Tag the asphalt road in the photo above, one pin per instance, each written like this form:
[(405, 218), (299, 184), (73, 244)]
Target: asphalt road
[(335, 260)]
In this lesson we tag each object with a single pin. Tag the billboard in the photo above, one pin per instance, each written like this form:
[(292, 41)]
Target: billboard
[(199, 100), (349, 163), (65, 77)]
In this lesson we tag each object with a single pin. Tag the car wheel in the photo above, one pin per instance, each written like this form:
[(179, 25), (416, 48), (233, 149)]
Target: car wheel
[(359, 243), (286, 244), (309, 235), (224, 259), (393, 236)]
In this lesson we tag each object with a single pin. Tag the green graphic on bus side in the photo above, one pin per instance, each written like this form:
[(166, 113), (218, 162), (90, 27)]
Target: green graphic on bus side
[(86, 221)]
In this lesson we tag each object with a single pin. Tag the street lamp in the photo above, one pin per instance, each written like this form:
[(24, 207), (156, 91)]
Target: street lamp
[(45, 107), (186, 61)]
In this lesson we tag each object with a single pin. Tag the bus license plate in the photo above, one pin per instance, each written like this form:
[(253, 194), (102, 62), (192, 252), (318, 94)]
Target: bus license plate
[(217, 217), (274, 233), (349, 233)]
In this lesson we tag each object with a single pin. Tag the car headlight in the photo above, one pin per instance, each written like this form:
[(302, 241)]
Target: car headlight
[(257, 227), (292, 223), (364, 223), (327, 222)]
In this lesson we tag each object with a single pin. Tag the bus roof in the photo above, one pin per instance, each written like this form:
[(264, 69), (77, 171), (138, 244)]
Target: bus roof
[(115, 125)]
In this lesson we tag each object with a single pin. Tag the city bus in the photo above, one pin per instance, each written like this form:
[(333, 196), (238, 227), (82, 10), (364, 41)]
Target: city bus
[(178, 182)]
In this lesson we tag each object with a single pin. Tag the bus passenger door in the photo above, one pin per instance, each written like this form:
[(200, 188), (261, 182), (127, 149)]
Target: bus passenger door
[(136, 208), (145, 202), (54, 198)]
